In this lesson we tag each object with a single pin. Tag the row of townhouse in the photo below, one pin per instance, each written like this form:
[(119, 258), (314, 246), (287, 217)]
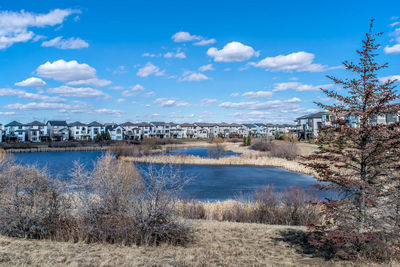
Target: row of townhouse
[(309, 126), (62, 131)]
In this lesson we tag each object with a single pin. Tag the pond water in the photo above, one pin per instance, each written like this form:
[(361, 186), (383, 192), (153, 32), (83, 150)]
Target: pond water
[(204, 152), (209, 183)]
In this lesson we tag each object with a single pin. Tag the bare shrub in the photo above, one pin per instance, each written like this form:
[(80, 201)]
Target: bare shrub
[(263, 145), (235, 140), (218, 148), (31, 204), (118, 205), (127, 150), (286, 151)]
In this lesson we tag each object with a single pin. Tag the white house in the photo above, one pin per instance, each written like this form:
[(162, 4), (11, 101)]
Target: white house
[(37, 131), (116, 132), (131, 131), (308, 126), (15, 131), (205, 130), (145, 130), (79, 131), (175, 130), (189, 130), (95, 128), (58, 130)]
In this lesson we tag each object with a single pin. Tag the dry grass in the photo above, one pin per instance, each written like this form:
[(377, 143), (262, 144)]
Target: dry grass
[(243, 160), (217, 244)]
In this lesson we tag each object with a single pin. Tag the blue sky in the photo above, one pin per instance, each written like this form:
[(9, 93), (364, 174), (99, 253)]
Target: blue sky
[(182, 61)]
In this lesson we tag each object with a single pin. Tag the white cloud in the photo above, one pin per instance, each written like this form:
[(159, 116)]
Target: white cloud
[(232, 52), (394, 24), (180, 37), (38, 106), (207, 101), (190, 76), (7, 113), (278, 105), (30, 96), (394, 49), (120, 100), (164, 102), (148, 70), (206, 67), (31, 82), (175, 55), (94, 82), (86, 92), (299, 61), (235, 94), (257, 94), (71, 43), (387, 78), (14, 25), (146, 54), (105, 111), (297, 86), (62, 70), (120, 70), (205, 42), (149, 94), (117, 87)]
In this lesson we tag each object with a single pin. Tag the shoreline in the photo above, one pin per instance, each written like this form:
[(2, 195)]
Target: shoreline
[(58, 149)]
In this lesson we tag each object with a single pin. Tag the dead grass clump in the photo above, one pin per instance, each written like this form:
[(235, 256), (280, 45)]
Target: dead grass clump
[(130, 150), (290, 207), (263, 145)]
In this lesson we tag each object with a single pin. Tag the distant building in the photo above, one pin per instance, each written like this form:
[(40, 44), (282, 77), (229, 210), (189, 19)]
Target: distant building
[(116, 132), (58, 130), (15, 131), (37, 131), (95, 128), (79, 131)]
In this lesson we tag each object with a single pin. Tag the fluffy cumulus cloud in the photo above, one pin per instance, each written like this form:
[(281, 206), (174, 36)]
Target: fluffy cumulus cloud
[(105, 111), (206, 67), (300, 87), (165, 102), (257, 94), (85, 92), (389, 78), (93, 82), (232, 52), (14, 26), (31, 82), (181, 37), (190, 76), (299, 61), (71, 43), (149, 69), (62, 70), (30, 96)]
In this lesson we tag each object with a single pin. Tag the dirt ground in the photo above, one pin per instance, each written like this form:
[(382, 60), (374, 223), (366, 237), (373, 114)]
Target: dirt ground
[(216, 244)]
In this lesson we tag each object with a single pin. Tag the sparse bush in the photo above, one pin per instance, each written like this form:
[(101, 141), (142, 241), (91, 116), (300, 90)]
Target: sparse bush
[(31, 204), (263, 145), (127, 150), (286, 151), (118, 205)]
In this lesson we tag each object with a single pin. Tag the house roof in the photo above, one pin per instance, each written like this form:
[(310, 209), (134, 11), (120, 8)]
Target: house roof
[(128, 124), (313, 115), (35, 123), (77, 123), (158, 123), (95, 124), (13, 123), (113, 127), (248, 125), (57, 123), (144, 124), (188, 124), (205, 124)]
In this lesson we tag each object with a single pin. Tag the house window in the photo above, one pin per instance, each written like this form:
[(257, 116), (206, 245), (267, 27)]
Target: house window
[(119, 131)]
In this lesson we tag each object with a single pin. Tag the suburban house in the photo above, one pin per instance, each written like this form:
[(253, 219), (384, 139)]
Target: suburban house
[(95, 128), (131, 131), (161, 129), (145, 130), (15, 131), (205, 130), (189, 130), (1, 132), (116, 132), (58, 130), (37, 131), (79, 131), (175, 130)]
